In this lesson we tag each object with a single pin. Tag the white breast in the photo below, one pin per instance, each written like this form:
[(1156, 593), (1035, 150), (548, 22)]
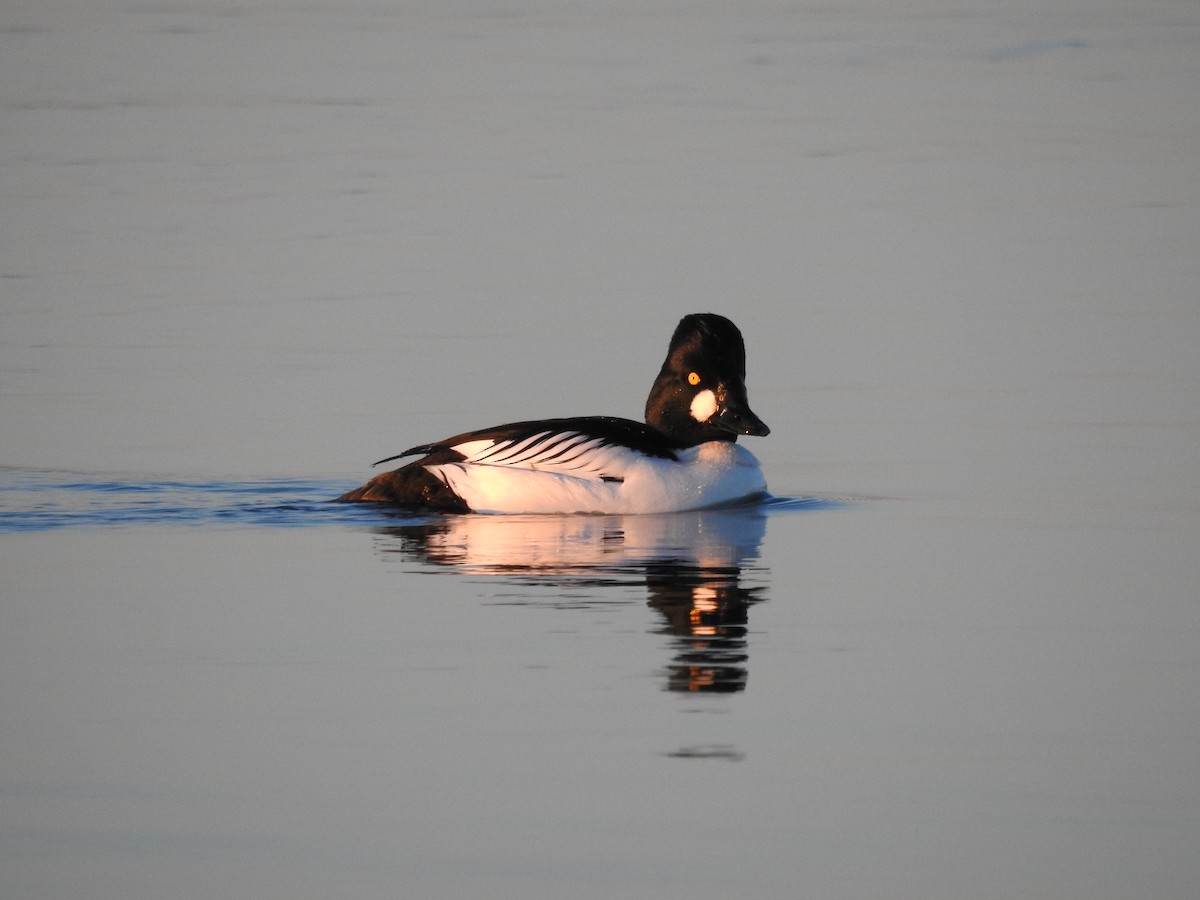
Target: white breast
[(576, 475)]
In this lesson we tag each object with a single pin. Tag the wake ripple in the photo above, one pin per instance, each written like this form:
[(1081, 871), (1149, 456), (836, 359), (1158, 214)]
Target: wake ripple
[(39, 501), (36, 500)]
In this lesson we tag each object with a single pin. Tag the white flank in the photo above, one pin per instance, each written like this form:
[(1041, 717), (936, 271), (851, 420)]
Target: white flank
[(712, 474)]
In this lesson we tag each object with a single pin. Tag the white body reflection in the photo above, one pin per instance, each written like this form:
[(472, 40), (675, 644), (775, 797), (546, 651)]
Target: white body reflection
[(693, 566)]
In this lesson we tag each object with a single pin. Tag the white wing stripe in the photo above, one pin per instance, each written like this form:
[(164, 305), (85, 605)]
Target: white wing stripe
[(567, 451), (585, 451), (499, 447), (577, 442), (550, 448)]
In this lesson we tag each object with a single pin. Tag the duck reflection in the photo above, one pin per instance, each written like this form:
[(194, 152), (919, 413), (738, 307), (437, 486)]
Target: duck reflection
[(707, 613), (693, 566)]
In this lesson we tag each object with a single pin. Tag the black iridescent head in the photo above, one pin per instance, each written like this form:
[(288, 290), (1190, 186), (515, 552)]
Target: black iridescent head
[(700, 393)]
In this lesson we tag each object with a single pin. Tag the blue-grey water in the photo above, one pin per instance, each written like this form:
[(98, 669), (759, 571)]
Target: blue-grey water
[(247, 248)]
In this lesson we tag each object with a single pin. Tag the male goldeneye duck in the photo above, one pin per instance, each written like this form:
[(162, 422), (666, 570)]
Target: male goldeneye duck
[(684, 457)]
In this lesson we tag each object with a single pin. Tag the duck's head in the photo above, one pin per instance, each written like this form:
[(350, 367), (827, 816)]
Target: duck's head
[(700, 394)]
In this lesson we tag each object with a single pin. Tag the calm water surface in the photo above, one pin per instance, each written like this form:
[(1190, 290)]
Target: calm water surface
[(225, 687), (245, 249)]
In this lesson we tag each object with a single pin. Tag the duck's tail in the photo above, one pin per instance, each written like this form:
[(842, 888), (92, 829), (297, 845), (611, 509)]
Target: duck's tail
[(412, 487)]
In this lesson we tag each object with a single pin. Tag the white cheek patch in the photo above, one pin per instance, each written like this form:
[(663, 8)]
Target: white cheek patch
[(704, 404)]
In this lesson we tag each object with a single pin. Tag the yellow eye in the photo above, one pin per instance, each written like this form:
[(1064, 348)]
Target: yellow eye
[(693, 378)]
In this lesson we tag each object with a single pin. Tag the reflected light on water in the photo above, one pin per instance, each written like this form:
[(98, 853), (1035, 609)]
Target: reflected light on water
[(692, 567), (700, 571), (706, 611)]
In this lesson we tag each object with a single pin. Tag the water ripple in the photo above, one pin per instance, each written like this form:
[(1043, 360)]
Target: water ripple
[(38, 500)]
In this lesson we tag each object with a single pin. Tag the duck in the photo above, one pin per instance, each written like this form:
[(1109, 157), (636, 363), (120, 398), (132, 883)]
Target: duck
[(684, 457)]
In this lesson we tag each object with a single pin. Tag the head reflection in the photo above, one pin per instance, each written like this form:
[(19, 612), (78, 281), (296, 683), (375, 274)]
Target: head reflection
[(706, 612), (692, 566)]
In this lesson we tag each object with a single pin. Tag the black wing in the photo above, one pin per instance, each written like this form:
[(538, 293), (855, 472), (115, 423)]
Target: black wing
[(545, 440)]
